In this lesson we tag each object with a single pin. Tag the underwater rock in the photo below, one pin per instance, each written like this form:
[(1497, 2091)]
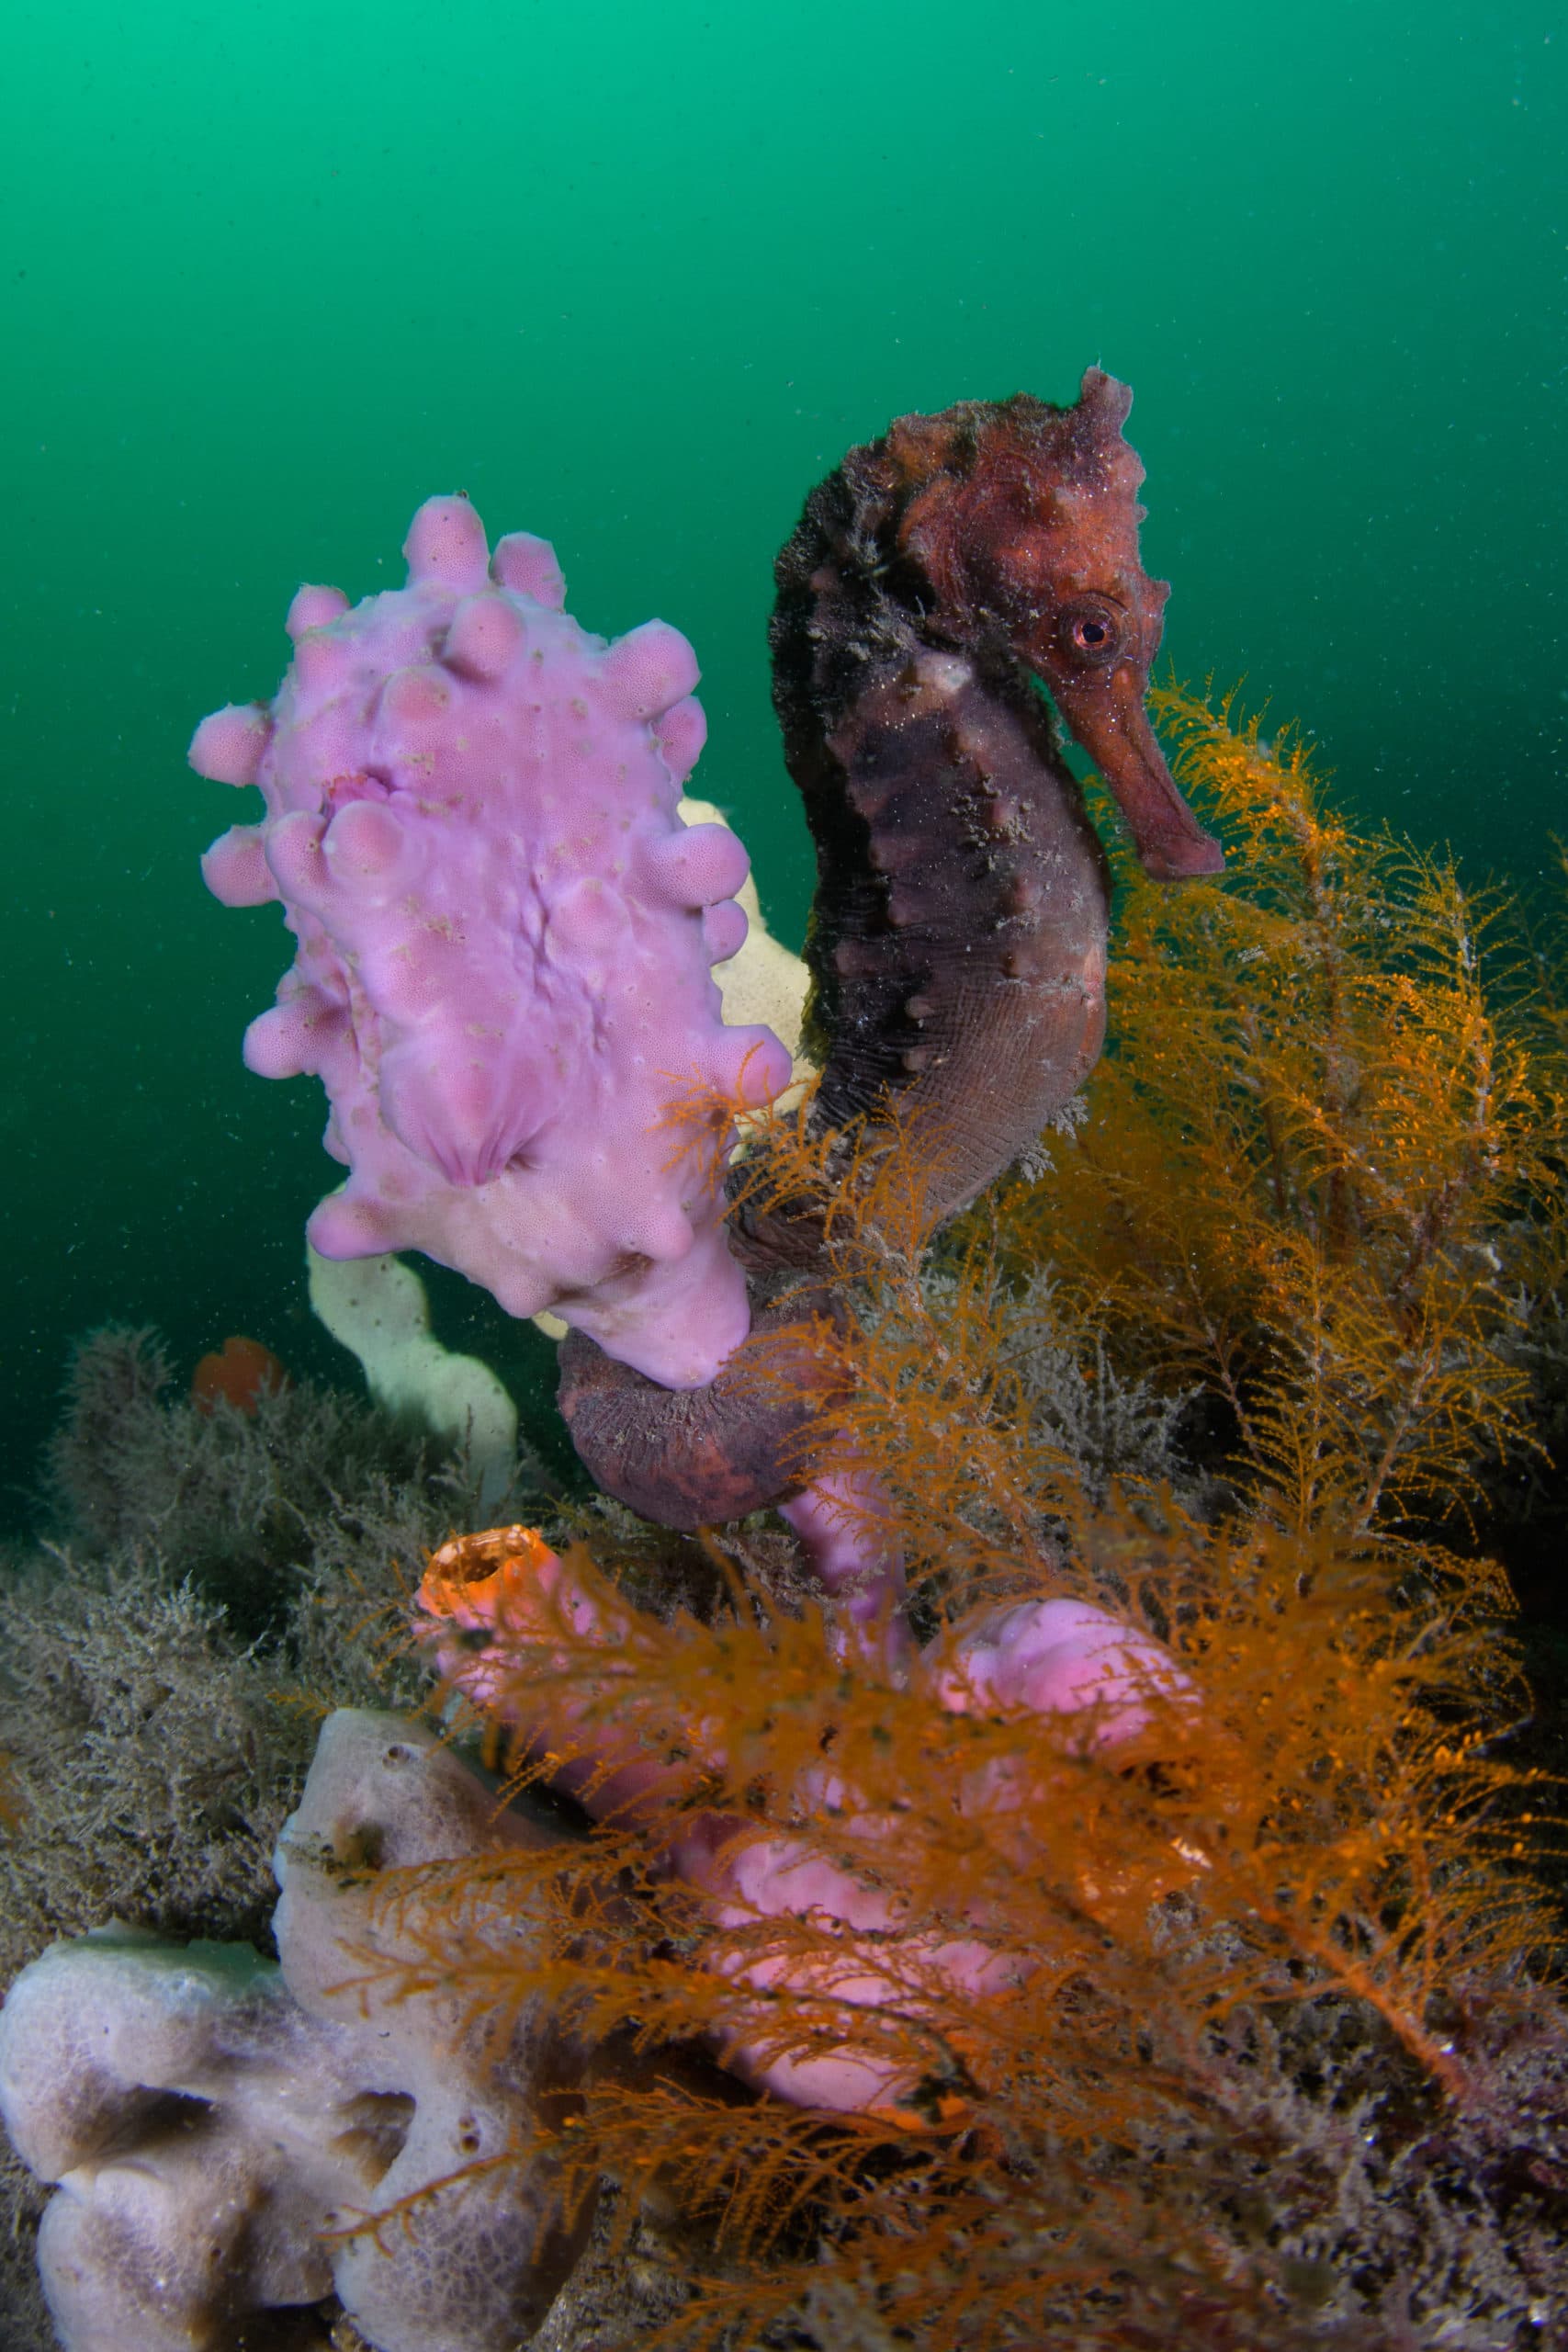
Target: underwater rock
[(213, 2119)]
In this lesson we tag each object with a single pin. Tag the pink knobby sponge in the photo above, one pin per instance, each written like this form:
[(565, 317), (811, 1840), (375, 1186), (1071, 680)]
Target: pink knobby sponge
[(504, 934)]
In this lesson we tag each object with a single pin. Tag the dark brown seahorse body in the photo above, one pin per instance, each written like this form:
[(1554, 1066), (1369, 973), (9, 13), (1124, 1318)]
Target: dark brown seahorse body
[(958, 937), (957, 943)]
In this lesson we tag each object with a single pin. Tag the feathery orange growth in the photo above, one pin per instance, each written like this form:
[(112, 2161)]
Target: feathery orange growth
[(1317, 1128), (1314, 1828), (1298, 1162)]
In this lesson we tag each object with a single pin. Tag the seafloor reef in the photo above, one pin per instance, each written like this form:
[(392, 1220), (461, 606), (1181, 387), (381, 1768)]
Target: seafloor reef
[(1015, 1807)]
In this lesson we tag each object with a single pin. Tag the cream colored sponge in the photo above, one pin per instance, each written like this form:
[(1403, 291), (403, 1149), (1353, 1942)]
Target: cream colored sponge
[(210, 2119)]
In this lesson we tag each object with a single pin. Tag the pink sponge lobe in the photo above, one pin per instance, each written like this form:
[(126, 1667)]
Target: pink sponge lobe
[(365, 847), (647, 671), (313, 608), (235, 868), (527, 565), (504, 934), (446, 544), (681, 731), (228, 746), (724, 931), (486, 637), (698, 867)]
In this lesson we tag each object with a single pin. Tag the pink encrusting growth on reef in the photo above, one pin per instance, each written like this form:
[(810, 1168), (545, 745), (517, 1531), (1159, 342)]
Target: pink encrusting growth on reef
[(504, 939), (521, 1632)]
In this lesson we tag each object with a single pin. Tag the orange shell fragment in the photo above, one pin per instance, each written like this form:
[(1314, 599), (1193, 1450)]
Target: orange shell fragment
[(486, 1577)]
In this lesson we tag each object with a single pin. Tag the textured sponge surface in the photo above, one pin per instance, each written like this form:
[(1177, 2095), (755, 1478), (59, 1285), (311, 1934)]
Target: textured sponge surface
[(503, 939), (215, 2123)]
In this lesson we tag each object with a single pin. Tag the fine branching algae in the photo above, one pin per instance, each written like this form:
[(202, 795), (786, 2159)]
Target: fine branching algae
[(1236, 2029)]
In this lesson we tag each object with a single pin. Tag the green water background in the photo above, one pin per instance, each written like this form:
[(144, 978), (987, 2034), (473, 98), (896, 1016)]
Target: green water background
[(635, 278)]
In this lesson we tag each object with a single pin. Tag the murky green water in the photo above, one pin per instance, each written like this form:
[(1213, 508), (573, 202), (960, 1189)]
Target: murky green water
[(634, 277)]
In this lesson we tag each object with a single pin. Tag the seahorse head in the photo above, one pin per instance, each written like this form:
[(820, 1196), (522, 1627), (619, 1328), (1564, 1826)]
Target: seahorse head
[(1022, 520)]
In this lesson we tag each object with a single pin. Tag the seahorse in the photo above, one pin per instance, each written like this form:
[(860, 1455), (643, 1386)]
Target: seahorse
[(951, 593)]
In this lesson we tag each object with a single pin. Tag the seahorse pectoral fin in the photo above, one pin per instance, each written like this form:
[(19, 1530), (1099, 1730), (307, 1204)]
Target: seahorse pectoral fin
[(1106, 715)]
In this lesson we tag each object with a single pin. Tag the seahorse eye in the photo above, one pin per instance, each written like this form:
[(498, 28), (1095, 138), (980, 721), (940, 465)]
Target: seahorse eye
[(1090, 632)]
